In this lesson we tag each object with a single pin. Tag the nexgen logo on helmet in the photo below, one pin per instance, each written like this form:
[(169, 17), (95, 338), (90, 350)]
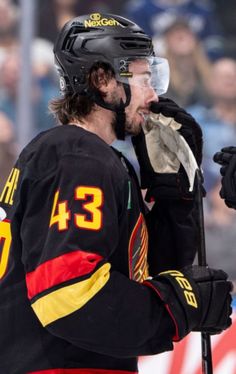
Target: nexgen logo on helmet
[(96, 20)]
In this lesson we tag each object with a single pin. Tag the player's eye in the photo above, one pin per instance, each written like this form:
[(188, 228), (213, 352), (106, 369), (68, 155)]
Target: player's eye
[(145, 82)]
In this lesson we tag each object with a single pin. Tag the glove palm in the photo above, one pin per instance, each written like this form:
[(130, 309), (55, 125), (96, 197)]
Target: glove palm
[(160, 169)]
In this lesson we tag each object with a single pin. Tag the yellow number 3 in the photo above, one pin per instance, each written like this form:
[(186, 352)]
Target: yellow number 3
[(92, 207), (91, 220)]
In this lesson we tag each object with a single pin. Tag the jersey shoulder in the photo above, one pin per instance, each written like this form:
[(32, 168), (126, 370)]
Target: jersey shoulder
[(43, 154)]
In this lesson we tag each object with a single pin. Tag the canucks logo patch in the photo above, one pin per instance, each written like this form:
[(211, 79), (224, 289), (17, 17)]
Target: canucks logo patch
[(138, 246)]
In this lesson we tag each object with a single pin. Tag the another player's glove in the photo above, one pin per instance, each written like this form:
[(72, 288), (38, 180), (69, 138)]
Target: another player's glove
[(197, 298), (161, 172), (227, 158)]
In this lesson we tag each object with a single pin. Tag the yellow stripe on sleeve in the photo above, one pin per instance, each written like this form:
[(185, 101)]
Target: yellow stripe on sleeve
[(67, 300)]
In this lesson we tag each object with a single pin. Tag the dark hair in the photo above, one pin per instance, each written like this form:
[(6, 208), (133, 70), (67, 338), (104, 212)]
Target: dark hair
[(73, 106), (70, 107)]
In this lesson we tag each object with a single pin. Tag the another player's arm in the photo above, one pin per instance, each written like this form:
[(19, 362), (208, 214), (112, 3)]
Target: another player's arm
[(227, 159), (8, 200)]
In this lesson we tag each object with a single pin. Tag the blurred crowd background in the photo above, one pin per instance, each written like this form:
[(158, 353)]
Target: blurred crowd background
[(199, 39)]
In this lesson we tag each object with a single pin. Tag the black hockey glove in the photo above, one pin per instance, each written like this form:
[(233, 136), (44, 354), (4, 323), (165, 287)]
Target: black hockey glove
[(227, 158), (197, 298), (160, 169)]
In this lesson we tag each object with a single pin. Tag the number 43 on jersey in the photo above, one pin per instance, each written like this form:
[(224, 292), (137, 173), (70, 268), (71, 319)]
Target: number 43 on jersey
[(91, 216)]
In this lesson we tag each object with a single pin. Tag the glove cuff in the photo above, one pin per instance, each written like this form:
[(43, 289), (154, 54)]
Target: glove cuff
[(181, 298), (169, 186)]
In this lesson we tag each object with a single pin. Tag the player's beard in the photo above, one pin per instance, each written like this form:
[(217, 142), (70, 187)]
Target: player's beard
[(128, 127)]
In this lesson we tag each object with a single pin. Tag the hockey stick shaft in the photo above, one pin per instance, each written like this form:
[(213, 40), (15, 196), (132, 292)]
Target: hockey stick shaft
[(205, 337)]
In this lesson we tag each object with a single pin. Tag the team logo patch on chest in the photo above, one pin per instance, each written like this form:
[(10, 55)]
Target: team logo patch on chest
[(138, 245)]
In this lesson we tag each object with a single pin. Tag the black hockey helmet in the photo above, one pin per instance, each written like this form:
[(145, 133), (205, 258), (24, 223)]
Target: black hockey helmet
[(111, 39), (96, 37)]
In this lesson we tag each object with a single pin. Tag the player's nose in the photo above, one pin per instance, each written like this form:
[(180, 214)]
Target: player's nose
[(151, 95)]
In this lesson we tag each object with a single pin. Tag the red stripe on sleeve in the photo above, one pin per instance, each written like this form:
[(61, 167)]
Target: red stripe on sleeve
[(60, 269)]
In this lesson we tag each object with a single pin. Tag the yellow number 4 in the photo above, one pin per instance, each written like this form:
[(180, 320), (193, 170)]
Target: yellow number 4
[(60, 214)]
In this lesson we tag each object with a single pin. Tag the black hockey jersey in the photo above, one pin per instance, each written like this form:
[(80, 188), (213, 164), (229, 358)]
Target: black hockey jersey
[(74, 249)]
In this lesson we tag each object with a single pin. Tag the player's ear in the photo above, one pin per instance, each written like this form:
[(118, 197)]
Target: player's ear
[(100, 80), (103, 81)]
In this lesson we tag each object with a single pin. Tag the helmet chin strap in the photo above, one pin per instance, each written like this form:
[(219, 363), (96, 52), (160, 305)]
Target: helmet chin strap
[(118, 109), (120, 121)]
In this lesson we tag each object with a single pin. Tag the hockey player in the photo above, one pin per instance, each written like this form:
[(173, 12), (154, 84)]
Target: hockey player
[(77, 293), (227, 159)]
